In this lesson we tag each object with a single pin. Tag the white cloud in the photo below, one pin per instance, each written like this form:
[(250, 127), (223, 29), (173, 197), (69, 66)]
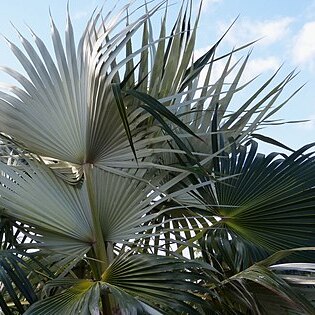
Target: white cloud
[(254, 67), (246, 30), (259, 66), (303, 50)]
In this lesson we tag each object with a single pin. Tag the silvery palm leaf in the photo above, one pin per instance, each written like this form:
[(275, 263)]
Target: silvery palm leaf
[(74, 109), (66, 109), (139, 284), (104, 207)]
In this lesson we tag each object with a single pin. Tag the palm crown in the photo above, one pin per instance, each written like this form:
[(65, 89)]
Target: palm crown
[(124, 168)]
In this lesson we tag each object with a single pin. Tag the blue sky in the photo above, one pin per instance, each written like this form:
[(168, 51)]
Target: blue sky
[(287, 29)]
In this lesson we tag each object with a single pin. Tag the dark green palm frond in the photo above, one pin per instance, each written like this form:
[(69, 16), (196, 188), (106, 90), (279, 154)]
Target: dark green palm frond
[(265, 204), (20, 282), (273, 293), (18, 289), (264, 288)]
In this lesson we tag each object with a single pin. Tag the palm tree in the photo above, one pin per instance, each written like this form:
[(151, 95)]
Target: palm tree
[(126, 182)]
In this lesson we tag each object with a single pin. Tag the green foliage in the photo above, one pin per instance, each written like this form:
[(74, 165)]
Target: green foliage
[(127, 185)]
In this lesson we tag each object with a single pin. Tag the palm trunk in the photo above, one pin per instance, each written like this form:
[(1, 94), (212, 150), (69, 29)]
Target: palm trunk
[(100, 255)]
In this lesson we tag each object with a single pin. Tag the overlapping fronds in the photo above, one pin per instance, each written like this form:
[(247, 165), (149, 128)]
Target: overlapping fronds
[(265, 204), (114, 152), (18, 278), (82, 298), (77, 119), (139, 284), (71, 110), (167, 284)]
